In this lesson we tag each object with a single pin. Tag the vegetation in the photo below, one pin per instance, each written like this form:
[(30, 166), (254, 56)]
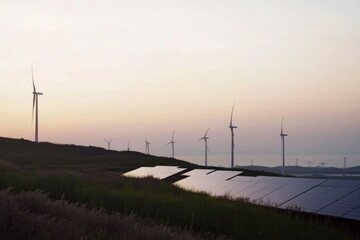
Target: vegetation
[(33, 215), (153, 205)]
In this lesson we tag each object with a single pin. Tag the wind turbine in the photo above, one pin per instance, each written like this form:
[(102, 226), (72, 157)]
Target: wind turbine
[(205, 137), (128, 145), (232, 136), (172, 143), (283, 135), (147, 147), (36, 106), (108, 143)]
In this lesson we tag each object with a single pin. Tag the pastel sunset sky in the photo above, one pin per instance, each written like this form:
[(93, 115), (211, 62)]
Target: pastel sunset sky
[(129, 69)]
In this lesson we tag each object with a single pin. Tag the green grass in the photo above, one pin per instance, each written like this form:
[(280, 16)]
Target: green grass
[(81, 175)]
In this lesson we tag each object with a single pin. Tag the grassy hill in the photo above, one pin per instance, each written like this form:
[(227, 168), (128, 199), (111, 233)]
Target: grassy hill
[(48, 155), (28, 154), (76, 192)]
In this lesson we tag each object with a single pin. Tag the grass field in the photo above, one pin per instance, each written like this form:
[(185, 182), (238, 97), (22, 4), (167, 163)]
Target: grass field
[(89, 181)]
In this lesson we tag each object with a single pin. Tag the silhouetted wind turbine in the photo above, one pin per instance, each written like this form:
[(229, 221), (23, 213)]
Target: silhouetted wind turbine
[(128, 145), (172, 143), (232, 136), (147, 147), (36, 106), (205, 137), (283, 135), (108, 143)]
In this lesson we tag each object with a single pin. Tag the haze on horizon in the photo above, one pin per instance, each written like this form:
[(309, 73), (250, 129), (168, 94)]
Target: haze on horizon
[(126, 69)]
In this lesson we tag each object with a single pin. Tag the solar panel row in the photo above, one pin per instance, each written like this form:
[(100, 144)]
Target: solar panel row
[(331, 197), (160, 172)]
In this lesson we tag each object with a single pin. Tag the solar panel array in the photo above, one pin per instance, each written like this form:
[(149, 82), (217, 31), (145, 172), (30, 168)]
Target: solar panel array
[(160, 172), (331, 197)]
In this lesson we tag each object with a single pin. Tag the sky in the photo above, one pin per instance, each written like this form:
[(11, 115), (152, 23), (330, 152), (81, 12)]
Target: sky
[(127, 70)]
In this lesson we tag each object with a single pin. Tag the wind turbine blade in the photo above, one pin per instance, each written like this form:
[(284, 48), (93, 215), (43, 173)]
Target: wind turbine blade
[(282, 122), (232, 112), (201, 139), (207, 132), (172, 138), (32, 77)]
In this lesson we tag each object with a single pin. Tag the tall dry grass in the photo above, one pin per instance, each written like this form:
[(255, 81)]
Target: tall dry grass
[(33, 215)]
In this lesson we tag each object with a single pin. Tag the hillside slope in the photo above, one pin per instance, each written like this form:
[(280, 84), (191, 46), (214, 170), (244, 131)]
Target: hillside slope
[(48, 155)]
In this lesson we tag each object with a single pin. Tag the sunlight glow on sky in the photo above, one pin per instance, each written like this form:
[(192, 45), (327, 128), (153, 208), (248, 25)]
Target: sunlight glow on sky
[(126, 69)]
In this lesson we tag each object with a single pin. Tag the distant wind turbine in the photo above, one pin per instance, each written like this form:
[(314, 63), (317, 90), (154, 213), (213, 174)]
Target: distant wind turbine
[(108, 143), (205, 137), (36, 106), (147, 147), (172, 144), (231, 126), (128, 145), (283, 135)]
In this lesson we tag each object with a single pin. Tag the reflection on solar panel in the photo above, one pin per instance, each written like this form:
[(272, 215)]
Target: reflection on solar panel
[(334, 197), (139, 172), (205, 181), (160, 172)]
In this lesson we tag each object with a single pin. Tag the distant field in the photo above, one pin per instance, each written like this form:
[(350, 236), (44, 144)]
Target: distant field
[(73, 176)]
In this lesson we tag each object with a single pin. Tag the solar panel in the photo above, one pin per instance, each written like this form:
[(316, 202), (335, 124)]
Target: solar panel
[(343, 206), (242, 178), (272, 187), (355, 214), (240, 187), (198, 172), (160, 172), (341, 183), (252, 189), (332, 197), (139, 172), (317, 198), (193, 176), (226, 187), (207, 181), (284, 194), (200, 181)]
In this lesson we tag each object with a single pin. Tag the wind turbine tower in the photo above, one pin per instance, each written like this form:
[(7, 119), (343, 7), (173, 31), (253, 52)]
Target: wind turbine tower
[(172, 144), (128, 145), (283, 135), (35, 106), (147, 147), (232, 127), (108, 143), (205, 137)]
